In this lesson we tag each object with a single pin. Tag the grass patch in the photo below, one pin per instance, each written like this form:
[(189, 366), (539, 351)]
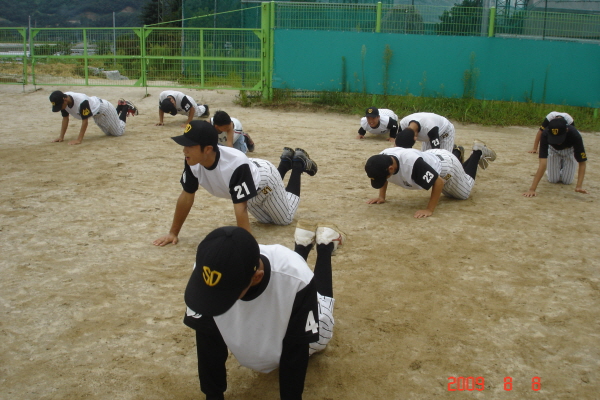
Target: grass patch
[(466, 110)]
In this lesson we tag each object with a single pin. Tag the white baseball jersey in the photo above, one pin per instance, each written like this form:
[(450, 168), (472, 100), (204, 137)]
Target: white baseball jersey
[(183, 102), (242, 179), (555, 114), (237, 131), (102, 111), (419, 170), (255, 327), (387, 120), (428, 134)]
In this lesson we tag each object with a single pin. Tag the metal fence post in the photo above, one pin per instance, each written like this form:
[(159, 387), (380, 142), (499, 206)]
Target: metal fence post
[(378, 22), (492, 27)]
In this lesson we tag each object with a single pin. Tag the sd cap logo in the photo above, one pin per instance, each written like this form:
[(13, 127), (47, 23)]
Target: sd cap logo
[(370, 110), (187, 128), (53, 103), (211, 278), (555, 132)]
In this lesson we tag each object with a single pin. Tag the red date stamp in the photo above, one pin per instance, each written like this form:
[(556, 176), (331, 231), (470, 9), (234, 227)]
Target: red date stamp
[(469, 383)]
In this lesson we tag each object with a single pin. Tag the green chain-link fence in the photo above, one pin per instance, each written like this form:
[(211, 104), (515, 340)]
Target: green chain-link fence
[(13, 56)]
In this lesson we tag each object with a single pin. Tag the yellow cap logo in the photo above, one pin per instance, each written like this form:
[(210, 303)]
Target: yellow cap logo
[(555, 132), (188, 128), (370, 110), (211, 278), (53, 103)]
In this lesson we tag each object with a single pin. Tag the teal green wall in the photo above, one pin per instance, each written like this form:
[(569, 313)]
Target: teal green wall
[(508, 69)]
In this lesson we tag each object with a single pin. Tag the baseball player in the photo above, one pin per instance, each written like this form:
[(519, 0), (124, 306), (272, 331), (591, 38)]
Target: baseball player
[(378, 122), (561, 149), (252, 184), (231, 132), (109, 119), (263, 303), (432, 130), (549, 117), (436, 169), (174, 102)]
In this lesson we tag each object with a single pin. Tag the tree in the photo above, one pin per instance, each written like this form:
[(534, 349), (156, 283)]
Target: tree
[(462, 20)]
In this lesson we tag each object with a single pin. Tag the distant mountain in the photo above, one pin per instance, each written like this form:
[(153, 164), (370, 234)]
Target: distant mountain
[(70, 13)]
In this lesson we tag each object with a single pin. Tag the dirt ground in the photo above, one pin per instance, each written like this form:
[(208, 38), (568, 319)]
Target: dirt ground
[(497, 286)]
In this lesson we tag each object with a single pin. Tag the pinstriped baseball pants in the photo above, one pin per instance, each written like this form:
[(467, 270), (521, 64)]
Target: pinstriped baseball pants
[(446, 142), (273, 204), (561, 165), (458, 183), (108, 120)]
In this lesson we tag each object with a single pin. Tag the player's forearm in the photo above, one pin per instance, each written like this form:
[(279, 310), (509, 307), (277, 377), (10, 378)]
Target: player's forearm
[(580, 175), (64, 126), (191, 114), (539, 174), (182, 209), (161, 116), (383, 191), (292, 370), (436, 193), (241, 216), (230, 138), (84, 126)]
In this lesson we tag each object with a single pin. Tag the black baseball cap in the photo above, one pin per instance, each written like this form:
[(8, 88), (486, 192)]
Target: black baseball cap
[(57, 98), (226, 260), (167, 106), (377, 169), (372, 112), (198, 133), (557, 131), (406, 138)]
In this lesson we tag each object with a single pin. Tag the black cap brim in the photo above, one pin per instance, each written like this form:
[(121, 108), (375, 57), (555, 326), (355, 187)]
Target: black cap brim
[(183, 141), (57, 107), (378, 183), (209, 303)]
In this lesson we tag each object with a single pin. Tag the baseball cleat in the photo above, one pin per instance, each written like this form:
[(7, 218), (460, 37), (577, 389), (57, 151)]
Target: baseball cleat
[(249, 142), (288, 154), (329, 233), (305, 233), (310, 167), (461, 150), (132, 108), (487, 155), (206, 113)]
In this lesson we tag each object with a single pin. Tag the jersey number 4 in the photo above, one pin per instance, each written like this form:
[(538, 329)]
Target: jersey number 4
[(242, 190), (311, 324)]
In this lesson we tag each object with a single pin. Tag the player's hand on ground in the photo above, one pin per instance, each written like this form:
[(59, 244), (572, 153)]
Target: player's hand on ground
[(75, 142), (581, 190), (378, 200), (530, 193), (423, 214), (533, 151), (159, 124), (170, 238), (391, 139), (57, 140), (360, 137), (183, 125)]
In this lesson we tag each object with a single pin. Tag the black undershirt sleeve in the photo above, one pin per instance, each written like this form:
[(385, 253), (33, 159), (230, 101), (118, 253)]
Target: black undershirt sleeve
[(188, 181), (393, 127), (423, 174), (212, 355), (361, 131), (84, 110), (186, 104), (64, 113), (241, 185), (544, 124), (302, 330), (434, 137)]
